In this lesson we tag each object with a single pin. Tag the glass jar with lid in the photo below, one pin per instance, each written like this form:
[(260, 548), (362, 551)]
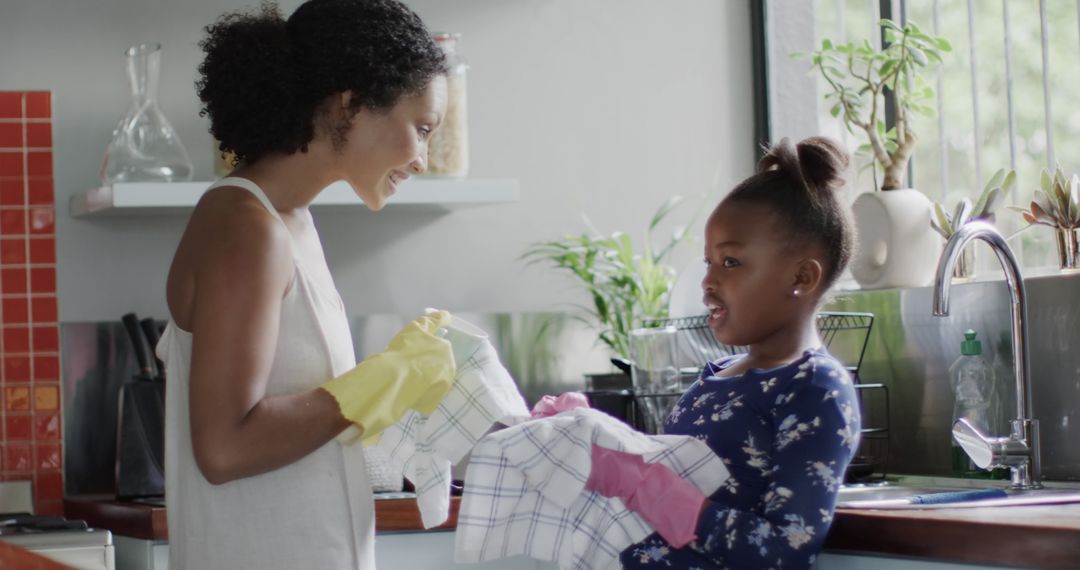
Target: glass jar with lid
[(448, 151)]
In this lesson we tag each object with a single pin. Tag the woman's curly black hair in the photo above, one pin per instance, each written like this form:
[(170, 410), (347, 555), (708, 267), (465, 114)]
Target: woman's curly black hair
[(264, 78)]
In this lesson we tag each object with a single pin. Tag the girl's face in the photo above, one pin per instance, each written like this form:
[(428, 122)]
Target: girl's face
[(384, 148), (751, 273)]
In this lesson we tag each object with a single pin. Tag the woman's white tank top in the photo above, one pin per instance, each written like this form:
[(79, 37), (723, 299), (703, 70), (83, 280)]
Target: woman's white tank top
[(315, 513)]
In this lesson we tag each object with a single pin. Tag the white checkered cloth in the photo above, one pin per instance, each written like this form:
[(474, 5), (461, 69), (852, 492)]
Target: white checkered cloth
[(425, 448), (525, 490)]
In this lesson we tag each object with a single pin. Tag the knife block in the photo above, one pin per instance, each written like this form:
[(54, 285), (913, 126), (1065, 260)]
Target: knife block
[(140, 440)]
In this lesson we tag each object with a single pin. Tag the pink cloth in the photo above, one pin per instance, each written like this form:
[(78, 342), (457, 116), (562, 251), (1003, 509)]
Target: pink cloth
[(669, 503), (551, 405)]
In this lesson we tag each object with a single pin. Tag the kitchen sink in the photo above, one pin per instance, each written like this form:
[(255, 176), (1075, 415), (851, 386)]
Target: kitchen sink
[(896, 494)]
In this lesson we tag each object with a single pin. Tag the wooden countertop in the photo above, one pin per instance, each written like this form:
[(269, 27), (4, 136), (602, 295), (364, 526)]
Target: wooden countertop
[(144, 521), (1045, 536), (1028, 536), (12, 556)]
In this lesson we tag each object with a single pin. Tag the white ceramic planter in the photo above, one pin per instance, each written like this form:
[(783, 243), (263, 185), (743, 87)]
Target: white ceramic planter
[(895, 247)]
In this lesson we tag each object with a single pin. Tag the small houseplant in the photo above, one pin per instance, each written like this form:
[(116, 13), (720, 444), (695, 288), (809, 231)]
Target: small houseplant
[(896, 246), (1057, 205), (947, 224), (626, 287)]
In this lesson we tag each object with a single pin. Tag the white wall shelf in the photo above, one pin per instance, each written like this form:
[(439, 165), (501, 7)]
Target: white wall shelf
[(148, 198)]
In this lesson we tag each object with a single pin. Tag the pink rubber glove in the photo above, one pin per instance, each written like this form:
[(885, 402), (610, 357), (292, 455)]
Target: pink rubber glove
[(665, 500), (551, 405)]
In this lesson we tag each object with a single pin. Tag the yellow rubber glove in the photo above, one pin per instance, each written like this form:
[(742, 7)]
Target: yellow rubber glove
[(414, 372)]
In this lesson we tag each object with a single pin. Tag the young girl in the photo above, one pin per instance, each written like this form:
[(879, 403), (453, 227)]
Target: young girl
[(259, 356), (784, 416)]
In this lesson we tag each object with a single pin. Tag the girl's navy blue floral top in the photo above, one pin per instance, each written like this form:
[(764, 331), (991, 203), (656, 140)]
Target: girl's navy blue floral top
[(786, 435)]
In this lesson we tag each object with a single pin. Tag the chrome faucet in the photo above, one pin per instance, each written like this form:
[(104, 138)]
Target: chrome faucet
[(1020, 450)]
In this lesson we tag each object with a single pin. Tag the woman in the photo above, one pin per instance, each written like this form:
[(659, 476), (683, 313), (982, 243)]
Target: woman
[(258, 348)]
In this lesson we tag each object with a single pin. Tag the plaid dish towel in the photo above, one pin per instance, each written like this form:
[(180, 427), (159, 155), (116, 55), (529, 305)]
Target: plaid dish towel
[(525, 490), (482, 395)]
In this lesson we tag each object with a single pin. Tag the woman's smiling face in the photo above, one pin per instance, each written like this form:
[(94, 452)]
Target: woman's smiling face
[(750, 274)]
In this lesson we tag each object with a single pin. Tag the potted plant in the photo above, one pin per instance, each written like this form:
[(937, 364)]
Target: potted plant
[(627, 288), (896, 246), (947, 224), (1057, 205)]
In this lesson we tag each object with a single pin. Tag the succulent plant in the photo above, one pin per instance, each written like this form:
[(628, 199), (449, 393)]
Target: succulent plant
[(999, 186), (1057, 203)]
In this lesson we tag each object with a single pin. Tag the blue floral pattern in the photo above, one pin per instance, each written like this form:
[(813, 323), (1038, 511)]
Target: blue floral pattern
[(786, 435)]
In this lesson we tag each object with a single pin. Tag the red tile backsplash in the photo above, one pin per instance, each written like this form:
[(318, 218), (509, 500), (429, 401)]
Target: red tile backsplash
[(16, 369), (12, 220), (12, 192), (11, 163), (12, 251), (42, 250), (11, 105), (43, 279), (11, 134), (17, 427), (40, 191), (39, 163), (39, 135), (16, 339), (43, 309), (39, 105), (12, 280), (16, 310), (42, 220), (46, 339), (30, 416)]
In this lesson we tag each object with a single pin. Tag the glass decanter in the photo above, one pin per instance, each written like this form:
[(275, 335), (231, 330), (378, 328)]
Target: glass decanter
[(145, 147)]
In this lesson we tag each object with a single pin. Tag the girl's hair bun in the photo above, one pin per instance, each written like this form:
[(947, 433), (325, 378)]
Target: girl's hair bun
[(822, 163), (818, 163)]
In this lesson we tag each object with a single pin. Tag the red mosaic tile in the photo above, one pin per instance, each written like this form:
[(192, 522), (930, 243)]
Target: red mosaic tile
[(16, 339), (12, 251), (11, 164), (46, 368), (42, 250), (46, 339), (18, 457), (13, 222), (39, 135), (49, 485), (42, 220), (11, 135), (12, 192), (42, 279), (10, 104), (16, 399), (39, 105), (46, 426), (15, 310), (43, 310), (48, 456), (17, 428), (39, 163), (17, 369), (12, 280), (40, 191)]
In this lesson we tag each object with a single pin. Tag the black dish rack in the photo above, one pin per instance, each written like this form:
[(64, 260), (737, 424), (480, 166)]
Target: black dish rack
[(844, 334)]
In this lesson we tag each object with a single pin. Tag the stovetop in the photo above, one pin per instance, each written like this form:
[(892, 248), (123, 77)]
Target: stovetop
[(34, 531)]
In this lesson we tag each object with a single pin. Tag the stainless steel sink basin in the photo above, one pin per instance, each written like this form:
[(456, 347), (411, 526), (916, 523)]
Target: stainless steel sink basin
[(897, 494)]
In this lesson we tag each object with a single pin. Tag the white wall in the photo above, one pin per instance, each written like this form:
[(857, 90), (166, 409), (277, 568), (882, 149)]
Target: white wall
[(597, 106)]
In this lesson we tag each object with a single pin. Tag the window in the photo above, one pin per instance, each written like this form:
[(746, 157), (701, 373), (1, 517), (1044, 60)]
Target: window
[(998, 105)]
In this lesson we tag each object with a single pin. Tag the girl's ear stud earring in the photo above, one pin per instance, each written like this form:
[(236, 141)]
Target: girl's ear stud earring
[(796, 292)]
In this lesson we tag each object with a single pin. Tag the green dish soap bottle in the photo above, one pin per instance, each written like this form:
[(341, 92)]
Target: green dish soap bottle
[(971, 378)]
